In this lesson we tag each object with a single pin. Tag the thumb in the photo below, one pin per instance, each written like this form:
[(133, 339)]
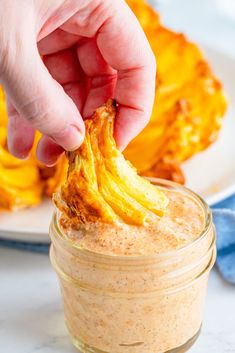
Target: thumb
[(40, 100)]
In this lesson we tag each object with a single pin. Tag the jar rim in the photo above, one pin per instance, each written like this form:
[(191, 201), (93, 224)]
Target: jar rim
[(161, 183)]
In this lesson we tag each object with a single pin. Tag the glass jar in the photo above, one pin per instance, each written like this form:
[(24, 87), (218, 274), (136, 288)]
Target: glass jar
[(134, 304)]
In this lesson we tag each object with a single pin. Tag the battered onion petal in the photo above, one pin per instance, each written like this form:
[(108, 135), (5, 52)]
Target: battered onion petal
[(189, 105), (101, 185)]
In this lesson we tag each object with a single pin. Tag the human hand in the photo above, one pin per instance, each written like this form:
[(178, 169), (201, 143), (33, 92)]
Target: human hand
[(92, 50)]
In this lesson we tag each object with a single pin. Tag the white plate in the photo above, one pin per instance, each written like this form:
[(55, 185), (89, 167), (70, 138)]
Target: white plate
[(27, 225), (210, 173)]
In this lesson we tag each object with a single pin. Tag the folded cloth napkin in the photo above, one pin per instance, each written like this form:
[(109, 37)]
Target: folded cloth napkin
[(23, 245), (224, 219)]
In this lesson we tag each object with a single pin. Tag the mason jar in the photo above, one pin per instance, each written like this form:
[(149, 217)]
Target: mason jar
[(134, 304)]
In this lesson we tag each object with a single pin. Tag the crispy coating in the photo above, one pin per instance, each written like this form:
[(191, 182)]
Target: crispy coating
[(20, 184), (189, 104), (166, 169), (54, 176), (101, 185)]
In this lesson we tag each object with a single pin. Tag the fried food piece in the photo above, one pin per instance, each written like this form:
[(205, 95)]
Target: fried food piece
[(101, 185), (166, 169), (12, 199), (3, 109), (57, 176), (20, 187), (189, 105), (20, 184)]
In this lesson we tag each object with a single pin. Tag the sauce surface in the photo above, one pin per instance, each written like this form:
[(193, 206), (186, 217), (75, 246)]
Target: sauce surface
[(182, 223)]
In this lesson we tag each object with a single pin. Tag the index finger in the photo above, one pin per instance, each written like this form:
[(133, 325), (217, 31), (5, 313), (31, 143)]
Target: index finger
[(124, 47)]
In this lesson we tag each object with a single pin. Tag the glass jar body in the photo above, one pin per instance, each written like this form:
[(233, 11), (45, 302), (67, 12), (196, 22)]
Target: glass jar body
[(140, 304)]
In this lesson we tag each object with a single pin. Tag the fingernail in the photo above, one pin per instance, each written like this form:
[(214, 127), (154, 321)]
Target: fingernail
[(70, 139), (77, 138), (18, 150)]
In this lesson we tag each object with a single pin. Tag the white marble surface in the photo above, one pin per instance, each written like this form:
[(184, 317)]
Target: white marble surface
[(31, 316)]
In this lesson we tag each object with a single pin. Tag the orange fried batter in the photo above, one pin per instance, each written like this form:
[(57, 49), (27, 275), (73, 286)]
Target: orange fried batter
[(189, 104), (101, 185), (166, 169), (55, 176), (20, 184)]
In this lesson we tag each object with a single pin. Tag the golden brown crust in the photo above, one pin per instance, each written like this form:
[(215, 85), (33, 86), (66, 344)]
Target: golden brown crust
[(166, 169), (102, 186), (54, 176), (189, 105)]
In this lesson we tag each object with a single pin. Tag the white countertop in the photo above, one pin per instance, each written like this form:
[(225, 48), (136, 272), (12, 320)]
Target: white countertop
[(31, 316)]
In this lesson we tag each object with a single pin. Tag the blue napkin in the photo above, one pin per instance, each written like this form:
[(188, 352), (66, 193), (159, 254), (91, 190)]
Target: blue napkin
[(23, 245), (224, 219)]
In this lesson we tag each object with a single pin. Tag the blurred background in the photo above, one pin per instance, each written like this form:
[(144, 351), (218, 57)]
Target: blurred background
[(210, 22)]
